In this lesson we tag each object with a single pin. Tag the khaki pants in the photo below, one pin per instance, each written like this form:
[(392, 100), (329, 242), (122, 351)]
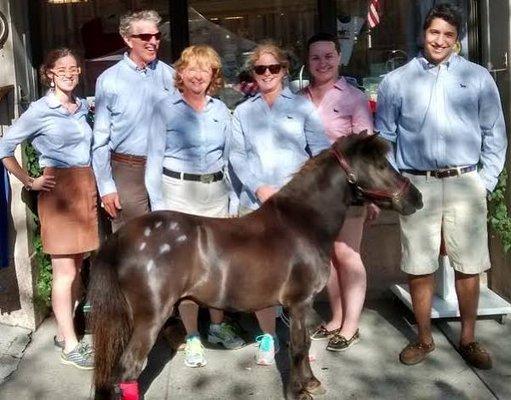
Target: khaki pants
[(129, 180)]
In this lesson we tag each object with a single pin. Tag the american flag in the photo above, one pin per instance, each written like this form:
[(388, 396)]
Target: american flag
[(373, 14)]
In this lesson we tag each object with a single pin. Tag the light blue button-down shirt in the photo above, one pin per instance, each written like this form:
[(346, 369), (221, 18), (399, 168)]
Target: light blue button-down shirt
[(125, 98), (185, 140), (60, 139), (269, 144), (443, 116)]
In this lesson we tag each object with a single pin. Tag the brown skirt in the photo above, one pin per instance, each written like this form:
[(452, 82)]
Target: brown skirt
[(68, 214)]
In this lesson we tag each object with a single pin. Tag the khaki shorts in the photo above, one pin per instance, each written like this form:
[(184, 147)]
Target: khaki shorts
[(197, 198), (455, 206)]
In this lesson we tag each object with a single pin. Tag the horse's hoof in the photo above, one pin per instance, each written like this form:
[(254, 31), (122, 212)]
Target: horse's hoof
[(314, 387), (316, 390), (304, 396)]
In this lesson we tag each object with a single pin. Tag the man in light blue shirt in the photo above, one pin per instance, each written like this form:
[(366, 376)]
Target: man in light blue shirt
[(125, 96), (443, 116)]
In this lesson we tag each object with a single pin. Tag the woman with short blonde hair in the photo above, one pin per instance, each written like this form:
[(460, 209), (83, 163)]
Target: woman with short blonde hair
[(186, 169)]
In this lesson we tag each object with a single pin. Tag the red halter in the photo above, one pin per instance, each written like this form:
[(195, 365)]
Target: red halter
[(374, 194)]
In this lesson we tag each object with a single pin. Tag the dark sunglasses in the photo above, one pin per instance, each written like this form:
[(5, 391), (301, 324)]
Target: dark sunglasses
[(261, 69), (147, 36)]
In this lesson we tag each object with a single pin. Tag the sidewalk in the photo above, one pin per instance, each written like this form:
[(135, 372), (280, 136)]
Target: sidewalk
[(369, 370)]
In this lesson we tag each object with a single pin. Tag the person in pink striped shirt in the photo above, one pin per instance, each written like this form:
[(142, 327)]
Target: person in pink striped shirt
[(344, 110)]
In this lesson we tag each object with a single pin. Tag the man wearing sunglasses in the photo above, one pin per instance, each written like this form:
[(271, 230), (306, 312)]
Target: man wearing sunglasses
[(125, 94)]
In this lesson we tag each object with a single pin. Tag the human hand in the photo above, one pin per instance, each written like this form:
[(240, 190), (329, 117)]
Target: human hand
[(373, 211), (264, 192), (111, 203), (44, 183)]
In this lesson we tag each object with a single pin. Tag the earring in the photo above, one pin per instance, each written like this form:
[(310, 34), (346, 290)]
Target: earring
[(52, 84)]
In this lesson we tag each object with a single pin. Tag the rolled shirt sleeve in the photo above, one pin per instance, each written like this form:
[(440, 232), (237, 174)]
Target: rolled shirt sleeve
[(494, 141), (156, 145), (238, 155), (386, 118), (101, 139), (27, 125)]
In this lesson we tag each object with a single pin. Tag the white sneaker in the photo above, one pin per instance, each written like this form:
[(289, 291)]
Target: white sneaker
[(194, 353)]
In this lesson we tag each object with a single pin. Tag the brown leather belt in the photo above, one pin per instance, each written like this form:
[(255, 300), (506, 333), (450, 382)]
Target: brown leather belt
[(128, 158), (442, 173)]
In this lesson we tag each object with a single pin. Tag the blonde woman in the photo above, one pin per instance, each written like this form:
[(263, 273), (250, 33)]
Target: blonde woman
[(186, 168), (274, 133)]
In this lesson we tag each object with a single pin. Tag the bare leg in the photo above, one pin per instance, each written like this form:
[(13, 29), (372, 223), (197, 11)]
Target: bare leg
[(266, 319), (189, 312), (64, 276), (347, 286), (467, 289), (421, 290), (217, 316)]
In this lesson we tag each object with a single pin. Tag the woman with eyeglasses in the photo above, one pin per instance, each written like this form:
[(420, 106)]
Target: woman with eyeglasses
[(57, 128), (273, 134), (186, 169), (344, 110)]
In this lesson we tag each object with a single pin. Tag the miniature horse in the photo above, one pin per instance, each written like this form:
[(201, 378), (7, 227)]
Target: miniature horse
[(277, 255)]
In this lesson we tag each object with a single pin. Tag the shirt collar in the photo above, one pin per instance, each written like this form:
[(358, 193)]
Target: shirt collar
[(285, 92), (428, 65), (177, 97), (341, 84), (135, 67), (53, 102)]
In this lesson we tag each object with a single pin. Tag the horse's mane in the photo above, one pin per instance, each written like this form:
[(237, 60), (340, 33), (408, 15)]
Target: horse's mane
[(369, 146)]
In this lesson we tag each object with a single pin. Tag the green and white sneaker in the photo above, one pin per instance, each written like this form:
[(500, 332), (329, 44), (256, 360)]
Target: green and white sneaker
[(226, 335), (268, 347), (81, 357), (194, 353)]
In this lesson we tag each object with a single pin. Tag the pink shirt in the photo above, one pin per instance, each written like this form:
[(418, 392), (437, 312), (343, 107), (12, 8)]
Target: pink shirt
[(343, 110)]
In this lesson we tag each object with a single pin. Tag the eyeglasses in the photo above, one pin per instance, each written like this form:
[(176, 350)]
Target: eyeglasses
[(62, 72), (147, 36), (273, 68)]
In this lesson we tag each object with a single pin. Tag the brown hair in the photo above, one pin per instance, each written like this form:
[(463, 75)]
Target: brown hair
[(205, 56), (49, 62), (268, 48)]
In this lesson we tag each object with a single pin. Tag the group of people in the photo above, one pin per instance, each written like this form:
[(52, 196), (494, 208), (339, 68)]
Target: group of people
[(162, 141)]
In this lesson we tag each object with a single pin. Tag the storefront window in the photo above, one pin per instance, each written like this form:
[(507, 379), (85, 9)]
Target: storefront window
[(369, 53), (92, 28), (234, 28)]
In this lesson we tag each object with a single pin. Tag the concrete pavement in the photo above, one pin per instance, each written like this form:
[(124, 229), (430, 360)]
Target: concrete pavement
[(369, 370)]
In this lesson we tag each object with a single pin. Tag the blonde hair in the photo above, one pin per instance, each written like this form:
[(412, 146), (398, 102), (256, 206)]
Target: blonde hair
[(204, 56), (126, 21), (268, 48)]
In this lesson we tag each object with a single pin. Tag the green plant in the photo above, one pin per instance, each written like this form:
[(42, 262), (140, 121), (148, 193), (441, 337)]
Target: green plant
[(42, 296), (498, 215)]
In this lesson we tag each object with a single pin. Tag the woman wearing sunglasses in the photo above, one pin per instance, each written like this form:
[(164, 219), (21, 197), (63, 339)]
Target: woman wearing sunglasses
[(56, 125), (344, 110), (186, 169), (273, 134)]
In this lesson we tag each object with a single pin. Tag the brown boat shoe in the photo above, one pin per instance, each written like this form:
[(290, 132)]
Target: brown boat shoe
[(321, 333), (476, 355), (414, 353), (340, 343)]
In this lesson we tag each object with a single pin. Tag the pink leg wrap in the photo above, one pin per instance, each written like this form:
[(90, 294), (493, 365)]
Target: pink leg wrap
[(129, 390)]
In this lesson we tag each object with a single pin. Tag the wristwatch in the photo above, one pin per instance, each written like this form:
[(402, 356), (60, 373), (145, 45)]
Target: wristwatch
[(28, 185)]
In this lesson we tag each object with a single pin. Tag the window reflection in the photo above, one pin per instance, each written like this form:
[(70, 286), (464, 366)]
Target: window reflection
[(92, 28), (233, 28)]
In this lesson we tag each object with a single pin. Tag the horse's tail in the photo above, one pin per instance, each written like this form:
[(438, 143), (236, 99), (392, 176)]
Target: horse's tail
[(110, 319)]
